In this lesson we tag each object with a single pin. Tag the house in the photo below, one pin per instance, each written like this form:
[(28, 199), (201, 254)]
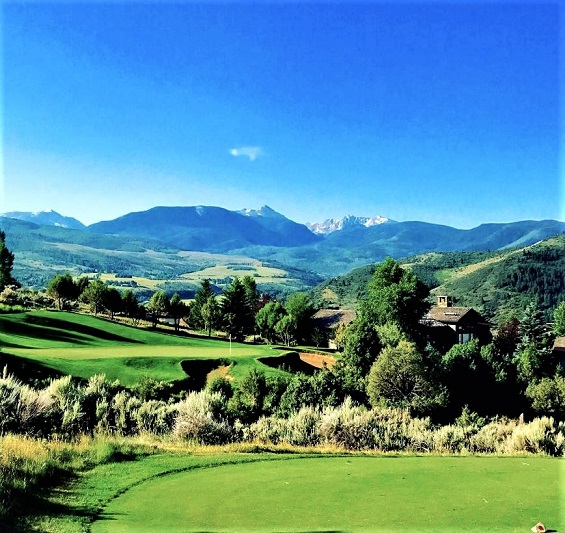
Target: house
[(327, 320), (559, 350), (446, 325)]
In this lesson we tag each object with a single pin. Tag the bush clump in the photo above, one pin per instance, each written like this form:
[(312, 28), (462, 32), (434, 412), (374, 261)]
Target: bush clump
[(199, 418)]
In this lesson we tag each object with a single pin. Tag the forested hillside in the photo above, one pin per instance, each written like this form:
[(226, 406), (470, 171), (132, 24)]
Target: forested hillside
[(495, 283), (503, 284)]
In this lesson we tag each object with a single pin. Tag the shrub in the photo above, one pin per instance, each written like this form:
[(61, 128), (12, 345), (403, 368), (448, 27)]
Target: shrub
[(125, 409), (149, 388), (24, 409), (267, 430), (449, 439), (356, 428), (302, 428), (347, 426), (538, 436), (222, 385), (198, 419), (10, 389), (491, 437), (155, 417)]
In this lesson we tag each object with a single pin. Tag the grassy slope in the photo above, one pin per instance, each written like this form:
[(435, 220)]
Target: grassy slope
[(323, 493), (44, 343)]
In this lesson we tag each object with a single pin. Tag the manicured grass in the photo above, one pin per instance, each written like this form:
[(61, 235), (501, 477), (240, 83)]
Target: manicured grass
[(82, 345), (328, 493)]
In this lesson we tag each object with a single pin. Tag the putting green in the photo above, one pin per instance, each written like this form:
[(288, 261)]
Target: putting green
[(347, 494)]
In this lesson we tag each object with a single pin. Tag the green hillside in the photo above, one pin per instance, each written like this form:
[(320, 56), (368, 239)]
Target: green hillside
[(505, 283), (495, 283)]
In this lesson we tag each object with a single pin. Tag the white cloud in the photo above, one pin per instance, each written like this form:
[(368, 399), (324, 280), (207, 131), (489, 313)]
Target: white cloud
[(253, 152)]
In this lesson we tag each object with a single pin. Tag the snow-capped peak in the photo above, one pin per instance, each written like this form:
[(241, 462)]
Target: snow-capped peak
[(349, 221), (47, 217), (265, 211)]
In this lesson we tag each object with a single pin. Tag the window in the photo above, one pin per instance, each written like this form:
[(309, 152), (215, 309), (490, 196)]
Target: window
[(465, 337)]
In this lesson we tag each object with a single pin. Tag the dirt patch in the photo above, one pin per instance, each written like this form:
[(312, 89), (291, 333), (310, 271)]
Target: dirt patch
[(220, 372), (317, 360)]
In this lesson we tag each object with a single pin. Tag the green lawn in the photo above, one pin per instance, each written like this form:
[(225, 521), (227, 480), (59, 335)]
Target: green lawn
[(52, 343), (318, 493)]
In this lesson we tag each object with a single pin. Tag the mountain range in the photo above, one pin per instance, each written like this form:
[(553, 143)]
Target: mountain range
[(48, 217), (326, 249)]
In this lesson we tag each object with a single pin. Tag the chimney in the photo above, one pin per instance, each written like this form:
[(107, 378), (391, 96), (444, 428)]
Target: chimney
[(444, 301)]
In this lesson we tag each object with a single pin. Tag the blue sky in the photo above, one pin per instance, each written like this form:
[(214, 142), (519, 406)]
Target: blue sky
[(434, 111)]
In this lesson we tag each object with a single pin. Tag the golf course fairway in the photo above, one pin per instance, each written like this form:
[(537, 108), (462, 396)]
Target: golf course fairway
[(352, 493)]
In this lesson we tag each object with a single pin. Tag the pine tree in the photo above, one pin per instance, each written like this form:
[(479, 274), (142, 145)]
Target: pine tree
[(533, 355), (195, 319), (235, 310), (6, 264), (559, 320)]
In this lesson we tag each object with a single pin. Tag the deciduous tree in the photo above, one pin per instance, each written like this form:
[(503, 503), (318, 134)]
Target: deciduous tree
[(395, 295), (113, 301), (267, 319), (211, 314), (362, 347), (62, 288), (158, 306), (195, 320), (177, 309), (548, 396), (398, 379), (131, 305), (299, 307), (94, 295), (286, 328)]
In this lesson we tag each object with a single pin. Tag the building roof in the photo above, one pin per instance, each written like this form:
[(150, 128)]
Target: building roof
[(446, 315), (559, 344), (331, 318)]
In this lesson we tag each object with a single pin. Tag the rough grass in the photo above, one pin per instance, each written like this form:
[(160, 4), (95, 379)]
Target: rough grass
[(450, 274)]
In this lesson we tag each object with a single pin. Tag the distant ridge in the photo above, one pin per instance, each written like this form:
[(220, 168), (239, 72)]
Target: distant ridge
[(48, 217), (210, 229)]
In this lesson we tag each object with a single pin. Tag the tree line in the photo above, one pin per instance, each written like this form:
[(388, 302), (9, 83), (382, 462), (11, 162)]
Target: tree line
[(239, 311)]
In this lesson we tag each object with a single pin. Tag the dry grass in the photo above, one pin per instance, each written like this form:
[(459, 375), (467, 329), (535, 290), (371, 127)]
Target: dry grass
[(317, 360), (220, 372)]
